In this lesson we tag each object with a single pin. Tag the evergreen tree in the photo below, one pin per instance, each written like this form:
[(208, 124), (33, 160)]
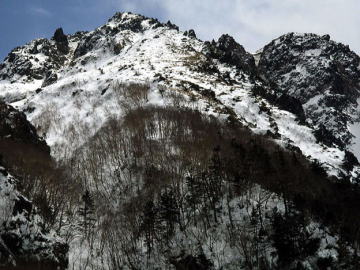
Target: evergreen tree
[(291, 238), (169, 211), (87, 212), (148, 225)]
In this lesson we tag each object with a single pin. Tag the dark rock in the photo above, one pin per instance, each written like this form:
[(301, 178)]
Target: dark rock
[(22, 204), (228, 51), (49, 79), (172, 26), (23, 242), (2, 170), (326, 37), (14, 126), (191, 33), (61, 40), (350, 161), (11, 57), (59, 36), (104, 91), (322, 134), (321, 74), (87, 44), (208, 93), (292, 105)]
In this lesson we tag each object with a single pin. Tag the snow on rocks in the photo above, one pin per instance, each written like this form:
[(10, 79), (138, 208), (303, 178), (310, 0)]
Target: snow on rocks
[(22, 239), (133, 48)]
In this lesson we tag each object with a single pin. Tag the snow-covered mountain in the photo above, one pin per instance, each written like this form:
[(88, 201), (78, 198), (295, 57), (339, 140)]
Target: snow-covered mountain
[(324, 76), (69, 81), (137, 111)]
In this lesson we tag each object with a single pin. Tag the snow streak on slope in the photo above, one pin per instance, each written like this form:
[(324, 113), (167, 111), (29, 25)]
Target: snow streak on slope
[(138, 49)]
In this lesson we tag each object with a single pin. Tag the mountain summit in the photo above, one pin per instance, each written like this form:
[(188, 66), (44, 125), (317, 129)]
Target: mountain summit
[(297, 76)]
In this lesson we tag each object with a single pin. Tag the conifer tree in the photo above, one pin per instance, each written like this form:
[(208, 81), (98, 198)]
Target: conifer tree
[(169, 211), (148, 225), (86, 212)]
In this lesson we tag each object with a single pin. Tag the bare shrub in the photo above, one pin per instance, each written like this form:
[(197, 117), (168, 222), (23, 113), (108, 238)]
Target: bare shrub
[(131, 95)]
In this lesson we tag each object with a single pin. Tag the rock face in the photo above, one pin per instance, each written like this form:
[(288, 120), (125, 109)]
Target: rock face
[(33, 62), (61, 40), (324, 76), (50, 78), (23, 242), (228, 51), (14, 126)]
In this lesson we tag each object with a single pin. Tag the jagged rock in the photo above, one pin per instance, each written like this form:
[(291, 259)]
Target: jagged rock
[(292, 105), (228, 51), (14, 126), (322, 74), (61, 40), (29, 62), (191, 33), (172, 26), (230, 71), (86, 45), (350, 161), (59, 36), (50, 78)]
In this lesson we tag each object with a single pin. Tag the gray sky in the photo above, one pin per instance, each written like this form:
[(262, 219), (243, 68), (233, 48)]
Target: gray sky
[(253, 23)]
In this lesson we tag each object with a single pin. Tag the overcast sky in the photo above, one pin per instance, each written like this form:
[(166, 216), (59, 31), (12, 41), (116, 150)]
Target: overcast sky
[(253, 23)]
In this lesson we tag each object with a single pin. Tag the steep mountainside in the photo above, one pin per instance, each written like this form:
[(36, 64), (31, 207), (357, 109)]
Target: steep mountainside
[(24, 244), (323, 75), (70, 81)]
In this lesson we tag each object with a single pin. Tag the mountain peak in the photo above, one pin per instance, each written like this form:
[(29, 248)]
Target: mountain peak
[(228, 51), (136, 22), (322, 74)]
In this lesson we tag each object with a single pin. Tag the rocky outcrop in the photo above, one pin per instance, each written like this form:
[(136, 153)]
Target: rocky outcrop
[(14, 126), (23, 243), (50, 78), (34, 61), (191, 33), (61, 40), (228, 51), (322, 74), (103, 37)]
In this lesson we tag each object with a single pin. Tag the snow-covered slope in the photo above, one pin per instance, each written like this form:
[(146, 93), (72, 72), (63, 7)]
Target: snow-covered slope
[(67, 86), (324, 76)]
